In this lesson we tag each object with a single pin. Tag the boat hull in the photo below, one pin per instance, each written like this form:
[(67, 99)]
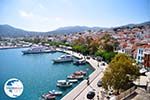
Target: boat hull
[(63, 58), (57, 93), (48, 97), (64, 86), (61, 61), (75, 77), (73, 80), (27, 52), (79, 62)]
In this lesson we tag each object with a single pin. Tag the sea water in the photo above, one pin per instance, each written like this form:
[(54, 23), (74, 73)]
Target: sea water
[(37, 72)]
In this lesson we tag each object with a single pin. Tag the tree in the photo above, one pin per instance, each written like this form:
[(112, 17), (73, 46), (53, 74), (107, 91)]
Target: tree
[(108, 47), (107, 56), (120, 73), (80, 48), (93, 46), (106, 38), (79, 41)]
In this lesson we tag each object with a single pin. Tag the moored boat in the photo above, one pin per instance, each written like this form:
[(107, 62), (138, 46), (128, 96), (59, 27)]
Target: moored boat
[(80, 72), (72, 76), (73, 80), (38, 49), (63, 83), (63, 58), (55, 92), (48, 96), (80, 62)]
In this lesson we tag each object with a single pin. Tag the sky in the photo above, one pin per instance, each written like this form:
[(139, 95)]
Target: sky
[(47, 15)]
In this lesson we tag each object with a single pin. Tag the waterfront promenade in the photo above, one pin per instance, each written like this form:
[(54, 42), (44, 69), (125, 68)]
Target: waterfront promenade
[(80, 91)]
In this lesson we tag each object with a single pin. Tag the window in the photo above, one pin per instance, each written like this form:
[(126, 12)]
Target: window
[(141, 51), (142, 58), (138, 57)]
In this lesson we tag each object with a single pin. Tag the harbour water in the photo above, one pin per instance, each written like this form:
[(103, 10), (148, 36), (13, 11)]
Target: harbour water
[(36, 71)]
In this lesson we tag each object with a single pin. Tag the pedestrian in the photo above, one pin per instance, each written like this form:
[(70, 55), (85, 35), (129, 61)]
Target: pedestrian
[(98, 96), (88, 82), (97, 64), (102, 94)]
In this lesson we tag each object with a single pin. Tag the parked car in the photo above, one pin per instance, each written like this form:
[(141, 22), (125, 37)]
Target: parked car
[(99, 83), (88, 57), (103, 64), (99, 58)]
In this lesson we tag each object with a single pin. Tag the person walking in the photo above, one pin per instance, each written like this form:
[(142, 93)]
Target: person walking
[(88, 82), (97, 64), (98, 96)]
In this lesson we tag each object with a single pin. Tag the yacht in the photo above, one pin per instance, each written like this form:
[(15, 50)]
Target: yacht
[(63, 83), (39, 49), (63, 58), (80, 62)]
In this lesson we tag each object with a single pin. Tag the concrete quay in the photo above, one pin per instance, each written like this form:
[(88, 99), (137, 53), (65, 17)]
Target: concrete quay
[(80, 91)]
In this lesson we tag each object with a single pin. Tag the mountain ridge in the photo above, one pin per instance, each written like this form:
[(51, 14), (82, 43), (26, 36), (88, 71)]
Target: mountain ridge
[(10, 31)]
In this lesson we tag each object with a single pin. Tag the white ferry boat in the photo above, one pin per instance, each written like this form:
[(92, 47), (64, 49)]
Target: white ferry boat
[(39, 49), (63, 58)]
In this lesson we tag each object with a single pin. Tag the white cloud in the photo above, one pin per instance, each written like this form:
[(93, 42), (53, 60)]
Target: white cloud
[(25, 14), (37, 22), (30, 15), (58, 18), (41, 6), (45, 18)]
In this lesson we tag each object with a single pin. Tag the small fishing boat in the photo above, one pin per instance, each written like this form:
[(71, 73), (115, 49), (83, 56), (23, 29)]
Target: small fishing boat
[(80, 72), (80, 62), (73, 80), (63, 83), (48, 96), (55, 92), (75, 76)]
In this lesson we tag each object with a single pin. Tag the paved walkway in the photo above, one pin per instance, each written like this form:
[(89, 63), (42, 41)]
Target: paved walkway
[(139, 94), (80, 91)]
